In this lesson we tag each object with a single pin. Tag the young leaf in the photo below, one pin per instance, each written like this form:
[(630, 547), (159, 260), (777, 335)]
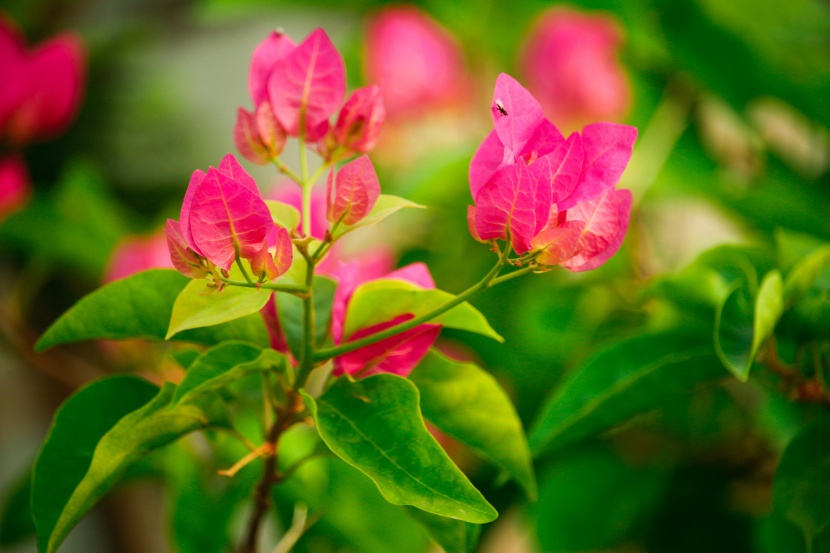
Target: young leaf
[(378, 301), (139, 306), (385, 206), (734, 331), (285, 215), (802, 481), (194, 308), (802, 276), (626, 379), (65, 457), (291, 314), (453, 536), (467, 403), (217, 367), (768, 308), (375, 425), (97, 466)]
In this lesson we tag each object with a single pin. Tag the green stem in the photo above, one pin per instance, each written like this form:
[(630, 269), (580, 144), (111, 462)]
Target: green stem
[(514, 274), (486, 282), (295, 289), (239, 264), (288, 172), (308, 345)]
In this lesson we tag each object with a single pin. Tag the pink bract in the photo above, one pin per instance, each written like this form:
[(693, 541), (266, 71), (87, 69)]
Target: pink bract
[(360, 121), (258, 136), (418, 64), (356, 189), (15, 188), (182, 256), (606, 221), (308, 82), (505, 207), (570, 62), (42, 88), (266, 55)]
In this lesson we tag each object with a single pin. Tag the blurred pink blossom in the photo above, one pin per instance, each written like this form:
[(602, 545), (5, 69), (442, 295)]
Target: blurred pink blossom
[(417, 63), (571, 66), (138, 253), (14, 185), (40, 89)]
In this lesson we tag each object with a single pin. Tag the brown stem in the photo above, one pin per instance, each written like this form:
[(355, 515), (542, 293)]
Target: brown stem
[(286, 417), (801, 388)]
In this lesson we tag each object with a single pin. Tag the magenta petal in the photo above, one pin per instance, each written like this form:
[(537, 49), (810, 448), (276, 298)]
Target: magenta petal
[(562, 169), (361, 119), (516, 113), (12, 67), (487, 159), (545, 139), (310, 80), (183, 258), (266, 55), (356, 189), (607, 148), (196, 180), (225, 214), (471, 223), (397, 354), (284, 253), (231, 168), (606, 221), (506, 205), (558, 244)]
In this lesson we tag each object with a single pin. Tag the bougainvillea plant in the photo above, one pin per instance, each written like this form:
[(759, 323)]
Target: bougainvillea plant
[(277, 317)]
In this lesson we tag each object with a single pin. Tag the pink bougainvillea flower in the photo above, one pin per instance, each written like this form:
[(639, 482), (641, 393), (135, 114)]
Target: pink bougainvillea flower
[(397, 354), (543, 193), (258, 136), (41, 88), (223, 213), (360, 120), (307, 85), (14, 185), (355, 191), (418, 63), (570, 62), (138, 253), (271, 265), (184, 259)]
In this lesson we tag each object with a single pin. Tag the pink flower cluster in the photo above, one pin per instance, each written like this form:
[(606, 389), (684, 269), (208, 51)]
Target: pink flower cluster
[(546, 194), (296, 88), (40, 91)]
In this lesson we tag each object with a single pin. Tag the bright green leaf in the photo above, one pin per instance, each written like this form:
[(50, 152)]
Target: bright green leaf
[(139, 306), (219, 366), (467, 403), (385, 206), (199, 306), (284, 215), (379, 301), (375, 425), (629, 378), (453, 536), (802, 482), (768, 308), (290, 309), (60, 498), (734, 322), (802, 276)]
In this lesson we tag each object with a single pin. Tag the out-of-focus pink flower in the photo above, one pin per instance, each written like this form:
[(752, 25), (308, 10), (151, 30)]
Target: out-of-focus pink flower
[(356, 189), (397, 354), (360, 120), (547, 194), (41, 89), (571, 66), (417, 63), (138, 253), (14, 185)]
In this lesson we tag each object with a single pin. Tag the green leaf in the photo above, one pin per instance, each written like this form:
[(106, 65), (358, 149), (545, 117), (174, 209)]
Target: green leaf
[(802, 276), (384, 207), (290, 309), (734, 330), (284, 215), (375, 425), (802, 482), (453, 536), (629, 378), (592, 500), (379, 301), (16, 522), (199, 306), (96, 436), (217, 367), (467, 403), (139, 306), (768, 308)]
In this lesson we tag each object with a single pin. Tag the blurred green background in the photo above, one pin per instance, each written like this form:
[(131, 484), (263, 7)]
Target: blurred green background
[(732, 101)]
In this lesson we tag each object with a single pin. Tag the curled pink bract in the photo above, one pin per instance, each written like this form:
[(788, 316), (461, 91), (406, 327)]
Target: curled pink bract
[(360, 121), (355, 190)]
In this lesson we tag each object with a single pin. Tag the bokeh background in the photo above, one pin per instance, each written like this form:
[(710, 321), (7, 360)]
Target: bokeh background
[(732, 102)]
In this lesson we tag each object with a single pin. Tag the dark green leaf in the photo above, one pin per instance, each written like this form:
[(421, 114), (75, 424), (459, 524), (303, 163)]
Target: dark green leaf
[(140, 306), (16, 522), (453, 536), (375, 425), (733, 331), (290, 310), (624, 380), (467, 403), (802, 483)]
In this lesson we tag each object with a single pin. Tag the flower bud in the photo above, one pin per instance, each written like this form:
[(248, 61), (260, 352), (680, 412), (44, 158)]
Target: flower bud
[(360, 120), (258, 136)]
